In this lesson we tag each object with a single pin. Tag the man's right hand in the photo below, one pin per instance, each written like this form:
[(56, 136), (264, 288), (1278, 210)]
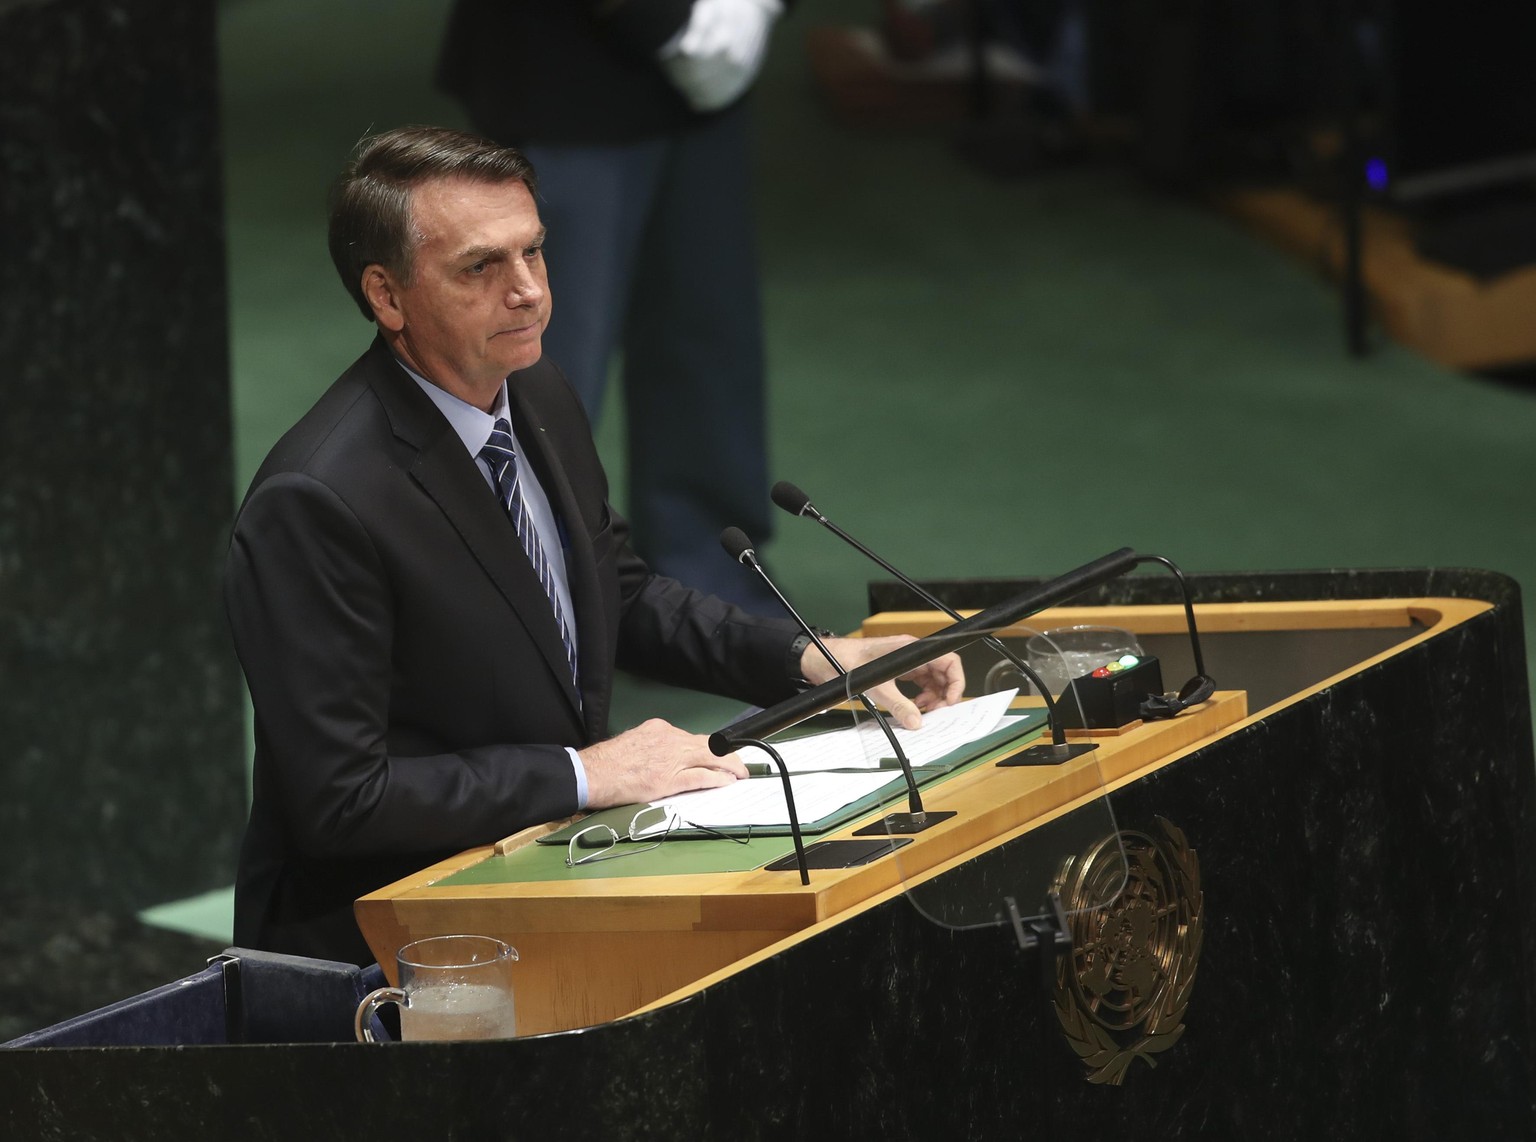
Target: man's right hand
[(652, 761)]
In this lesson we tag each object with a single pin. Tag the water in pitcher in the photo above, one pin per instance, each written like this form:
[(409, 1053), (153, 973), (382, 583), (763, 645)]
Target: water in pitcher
[(458, 1011)]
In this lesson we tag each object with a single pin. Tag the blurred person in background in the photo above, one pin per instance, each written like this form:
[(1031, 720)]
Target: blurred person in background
[(636, 116)]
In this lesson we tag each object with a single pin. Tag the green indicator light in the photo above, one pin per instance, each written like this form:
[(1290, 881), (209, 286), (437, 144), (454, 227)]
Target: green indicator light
[(1129, 660)]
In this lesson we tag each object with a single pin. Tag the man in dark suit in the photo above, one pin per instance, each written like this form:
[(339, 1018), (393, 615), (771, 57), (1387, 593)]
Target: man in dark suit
[(425, 676)]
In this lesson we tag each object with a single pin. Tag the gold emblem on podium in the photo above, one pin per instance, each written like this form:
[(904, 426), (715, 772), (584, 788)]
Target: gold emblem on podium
[(1122, 991)]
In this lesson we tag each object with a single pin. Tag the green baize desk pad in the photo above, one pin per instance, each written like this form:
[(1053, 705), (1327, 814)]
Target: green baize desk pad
[(687, 852)]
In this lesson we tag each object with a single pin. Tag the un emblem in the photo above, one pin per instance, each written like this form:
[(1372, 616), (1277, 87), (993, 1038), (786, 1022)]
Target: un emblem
[(1122, 993)]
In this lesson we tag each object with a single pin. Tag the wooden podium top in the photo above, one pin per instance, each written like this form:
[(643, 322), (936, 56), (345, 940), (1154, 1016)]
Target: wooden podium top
[(604, 945)]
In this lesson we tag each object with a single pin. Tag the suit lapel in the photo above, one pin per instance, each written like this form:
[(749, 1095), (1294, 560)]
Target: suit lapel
[(447, 473), (580, 564)]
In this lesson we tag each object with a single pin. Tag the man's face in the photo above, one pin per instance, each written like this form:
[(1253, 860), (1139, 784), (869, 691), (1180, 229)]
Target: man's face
[(478, 299)]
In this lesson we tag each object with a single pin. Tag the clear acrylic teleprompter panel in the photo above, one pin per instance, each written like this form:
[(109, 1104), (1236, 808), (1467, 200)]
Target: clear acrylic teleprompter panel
[(1066, 845)]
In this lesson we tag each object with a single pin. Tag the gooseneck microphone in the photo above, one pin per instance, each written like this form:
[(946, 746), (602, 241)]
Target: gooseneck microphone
[(789, 497), (1202, 685), (795, 832), (795, 502), (740, 548)]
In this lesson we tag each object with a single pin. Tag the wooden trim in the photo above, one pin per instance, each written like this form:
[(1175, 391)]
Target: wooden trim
[(1168, 618)]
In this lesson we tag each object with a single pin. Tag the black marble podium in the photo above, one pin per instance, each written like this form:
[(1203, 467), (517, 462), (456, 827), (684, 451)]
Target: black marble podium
[(1367, 915)]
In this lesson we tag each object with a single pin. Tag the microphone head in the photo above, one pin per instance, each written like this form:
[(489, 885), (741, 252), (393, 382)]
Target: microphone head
[(791, 498), (737, 545)]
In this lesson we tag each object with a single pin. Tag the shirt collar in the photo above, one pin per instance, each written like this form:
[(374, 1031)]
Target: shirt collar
[(471, 424)]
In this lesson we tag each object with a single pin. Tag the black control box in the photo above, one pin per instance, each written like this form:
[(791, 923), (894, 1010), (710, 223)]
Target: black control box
[(1111, 696)]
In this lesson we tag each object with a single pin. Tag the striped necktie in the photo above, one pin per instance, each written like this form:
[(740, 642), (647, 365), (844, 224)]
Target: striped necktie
[(501, 458)]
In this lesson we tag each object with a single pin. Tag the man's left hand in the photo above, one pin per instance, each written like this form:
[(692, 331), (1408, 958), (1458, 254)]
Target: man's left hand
[(942, 679)]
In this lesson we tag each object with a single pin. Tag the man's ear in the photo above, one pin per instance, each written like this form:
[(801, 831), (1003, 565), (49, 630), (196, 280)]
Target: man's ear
[(379, 289)]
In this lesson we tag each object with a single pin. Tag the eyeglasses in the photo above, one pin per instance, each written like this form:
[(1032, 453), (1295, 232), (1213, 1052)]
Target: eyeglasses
[(605, 841)]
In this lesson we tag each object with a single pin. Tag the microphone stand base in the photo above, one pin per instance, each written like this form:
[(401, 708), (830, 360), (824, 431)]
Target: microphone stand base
[(1049, 754), (838, 854), (898, 824)]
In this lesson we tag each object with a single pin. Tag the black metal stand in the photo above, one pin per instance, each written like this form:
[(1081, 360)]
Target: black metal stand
[(1048, 933), (840, 854), (1048, 753), (1351, 182)]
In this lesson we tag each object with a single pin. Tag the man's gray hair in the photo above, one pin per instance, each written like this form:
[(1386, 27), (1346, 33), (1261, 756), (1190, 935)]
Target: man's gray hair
[(370, 204)]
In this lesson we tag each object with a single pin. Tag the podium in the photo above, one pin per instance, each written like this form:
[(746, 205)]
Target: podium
[(613, 942), (1342, 838)]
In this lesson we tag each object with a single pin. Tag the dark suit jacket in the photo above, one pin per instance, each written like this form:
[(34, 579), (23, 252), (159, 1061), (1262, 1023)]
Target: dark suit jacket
[(409, 685), (575, 71), (566, 71)]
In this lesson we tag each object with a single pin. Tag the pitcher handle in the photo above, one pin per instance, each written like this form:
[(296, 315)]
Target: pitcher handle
[(362, 1023)]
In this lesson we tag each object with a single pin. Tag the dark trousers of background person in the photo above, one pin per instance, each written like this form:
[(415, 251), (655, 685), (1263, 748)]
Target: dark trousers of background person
[(652, 251)]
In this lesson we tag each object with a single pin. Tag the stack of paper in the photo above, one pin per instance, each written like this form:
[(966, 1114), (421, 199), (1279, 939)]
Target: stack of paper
[(835, 769)]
